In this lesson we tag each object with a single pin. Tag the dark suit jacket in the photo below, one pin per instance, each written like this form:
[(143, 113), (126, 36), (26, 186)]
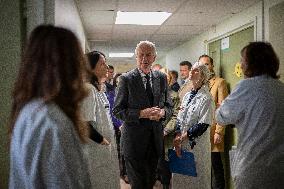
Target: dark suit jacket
[(138, 134), (175, 87)]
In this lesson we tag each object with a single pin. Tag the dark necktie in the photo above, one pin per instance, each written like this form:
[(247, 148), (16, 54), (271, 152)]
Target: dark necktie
[(192, 95), (149, 90)]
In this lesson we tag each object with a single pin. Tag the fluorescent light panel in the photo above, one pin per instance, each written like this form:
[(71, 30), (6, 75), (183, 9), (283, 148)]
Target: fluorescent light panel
[(141, 18), (120, 55)]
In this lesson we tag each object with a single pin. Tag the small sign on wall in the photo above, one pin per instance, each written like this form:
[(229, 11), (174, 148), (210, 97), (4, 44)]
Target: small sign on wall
[(225, 43)]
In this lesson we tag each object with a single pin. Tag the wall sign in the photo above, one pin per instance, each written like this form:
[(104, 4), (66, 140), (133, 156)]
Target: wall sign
[(225, 43)]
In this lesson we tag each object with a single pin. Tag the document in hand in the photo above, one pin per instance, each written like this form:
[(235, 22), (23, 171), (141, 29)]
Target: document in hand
[(184, 165)]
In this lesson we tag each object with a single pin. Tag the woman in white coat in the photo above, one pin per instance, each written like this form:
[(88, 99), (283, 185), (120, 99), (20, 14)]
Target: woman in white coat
[(102, 159), (46, 129), (194, 117), (256, 108)]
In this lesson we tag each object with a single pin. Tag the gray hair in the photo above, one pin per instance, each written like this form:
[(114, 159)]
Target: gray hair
[(147, 43), (204, 70)]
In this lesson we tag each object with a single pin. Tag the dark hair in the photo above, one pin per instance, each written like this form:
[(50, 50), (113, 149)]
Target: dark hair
[(206, 56), (186, 63), (175, 73), (93, 59), (110, 67), (115, 79), (260, 58), (51, 69)]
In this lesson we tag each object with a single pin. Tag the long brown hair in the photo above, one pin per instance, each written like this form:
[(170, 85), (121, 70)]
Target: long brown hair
[(51, 69), (260, 58)]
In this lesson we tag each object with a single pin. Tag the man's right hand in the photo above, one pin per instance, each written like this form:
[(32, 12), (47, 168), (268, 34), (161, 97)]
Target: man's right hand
[(105, 142), (177, 144), (148, 112)]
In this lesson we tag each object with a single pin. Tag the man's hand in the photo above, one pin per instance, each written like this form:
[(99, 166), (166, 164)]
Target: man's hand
[(177, 144), (105, 142), (157, 114), (153, 113), (218, 138), (146, 113)]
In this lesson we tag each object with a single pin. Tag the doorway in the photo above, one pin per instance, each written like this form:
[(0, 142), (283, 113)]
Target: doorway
[(226, 55)]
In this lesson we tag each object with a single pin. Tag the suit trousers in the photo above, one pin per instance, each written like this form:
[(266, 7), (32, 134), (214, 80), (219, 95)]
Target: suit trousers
[(142, 172), (218, 181)]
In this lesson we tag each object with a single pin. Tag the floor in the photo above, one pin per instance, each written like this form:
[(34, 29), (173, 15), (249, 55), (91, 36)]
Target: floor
[(123, 185)]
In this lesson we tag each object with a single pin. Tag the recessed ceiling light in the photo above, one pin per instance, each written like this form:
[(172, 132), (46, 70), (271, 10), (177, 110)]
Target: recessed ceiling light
[(120, 55), (141, 18)]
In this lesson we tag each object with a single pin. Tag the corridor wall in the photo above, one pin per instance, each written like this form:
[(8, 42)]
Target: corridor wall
[(10, 45)]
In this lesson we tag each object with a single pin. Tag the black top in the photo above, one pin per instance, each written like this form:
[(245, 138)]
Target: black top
[(94, 134), (175, 87)]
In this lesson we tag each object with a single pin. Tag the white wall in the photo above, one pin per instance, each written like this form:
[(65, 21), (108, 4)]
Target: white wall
[(190, 51), (161, 61), (274, 33), (39, 12), (67, 15), (268, 4), (10, 55), (197, 46)]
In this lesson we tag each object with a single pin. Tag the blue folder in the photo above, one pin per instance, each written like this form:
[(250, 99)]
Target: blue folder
[(184, 165)]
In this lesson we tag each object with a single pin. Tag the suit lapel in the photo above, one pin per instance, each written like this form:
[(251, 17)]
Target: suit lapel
[(182, 86)]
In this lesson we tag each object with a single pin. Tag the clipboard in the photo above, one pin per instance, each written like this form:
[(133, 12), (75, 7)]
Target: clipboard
[(184, 165)]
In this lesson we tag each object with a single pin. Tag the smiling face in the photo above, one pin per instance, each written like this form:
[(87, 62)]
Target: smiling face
[(207, 63), (101, 68), (184, 72), (195, 75), (145, 56), (110, 73)]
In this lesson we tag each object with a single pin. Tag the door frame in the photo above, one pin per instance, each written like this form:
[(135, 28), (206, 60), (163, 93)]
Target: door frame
[(250, 24)]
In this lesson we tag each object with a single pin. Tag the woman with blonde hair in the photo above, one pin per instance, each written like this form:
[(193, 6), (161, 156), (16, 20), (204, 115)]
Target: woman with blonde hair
[(194, 117)]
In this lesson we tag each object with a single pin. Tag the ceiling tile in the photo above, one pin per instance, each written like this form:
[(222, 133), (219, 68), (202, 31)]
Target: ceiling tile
[(98, 17), (168, 29), (99, 36), (153, 5), (98, 28), (204, 19), (93, 5), (135, 28), (216, 6), (190, 18)]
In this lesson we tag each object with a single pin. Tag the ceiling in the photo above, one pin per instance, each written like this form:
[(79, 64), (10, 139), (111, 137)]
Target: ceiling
[(189, 18)]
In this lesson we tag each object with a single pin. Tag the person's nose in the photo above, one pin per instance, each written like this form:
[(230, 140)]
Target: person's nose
[(144, 58)]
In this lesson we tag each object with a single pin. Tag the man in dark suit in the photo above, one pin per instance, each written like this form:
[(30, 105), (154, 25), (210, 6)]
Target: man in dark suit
[(142, 102)]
